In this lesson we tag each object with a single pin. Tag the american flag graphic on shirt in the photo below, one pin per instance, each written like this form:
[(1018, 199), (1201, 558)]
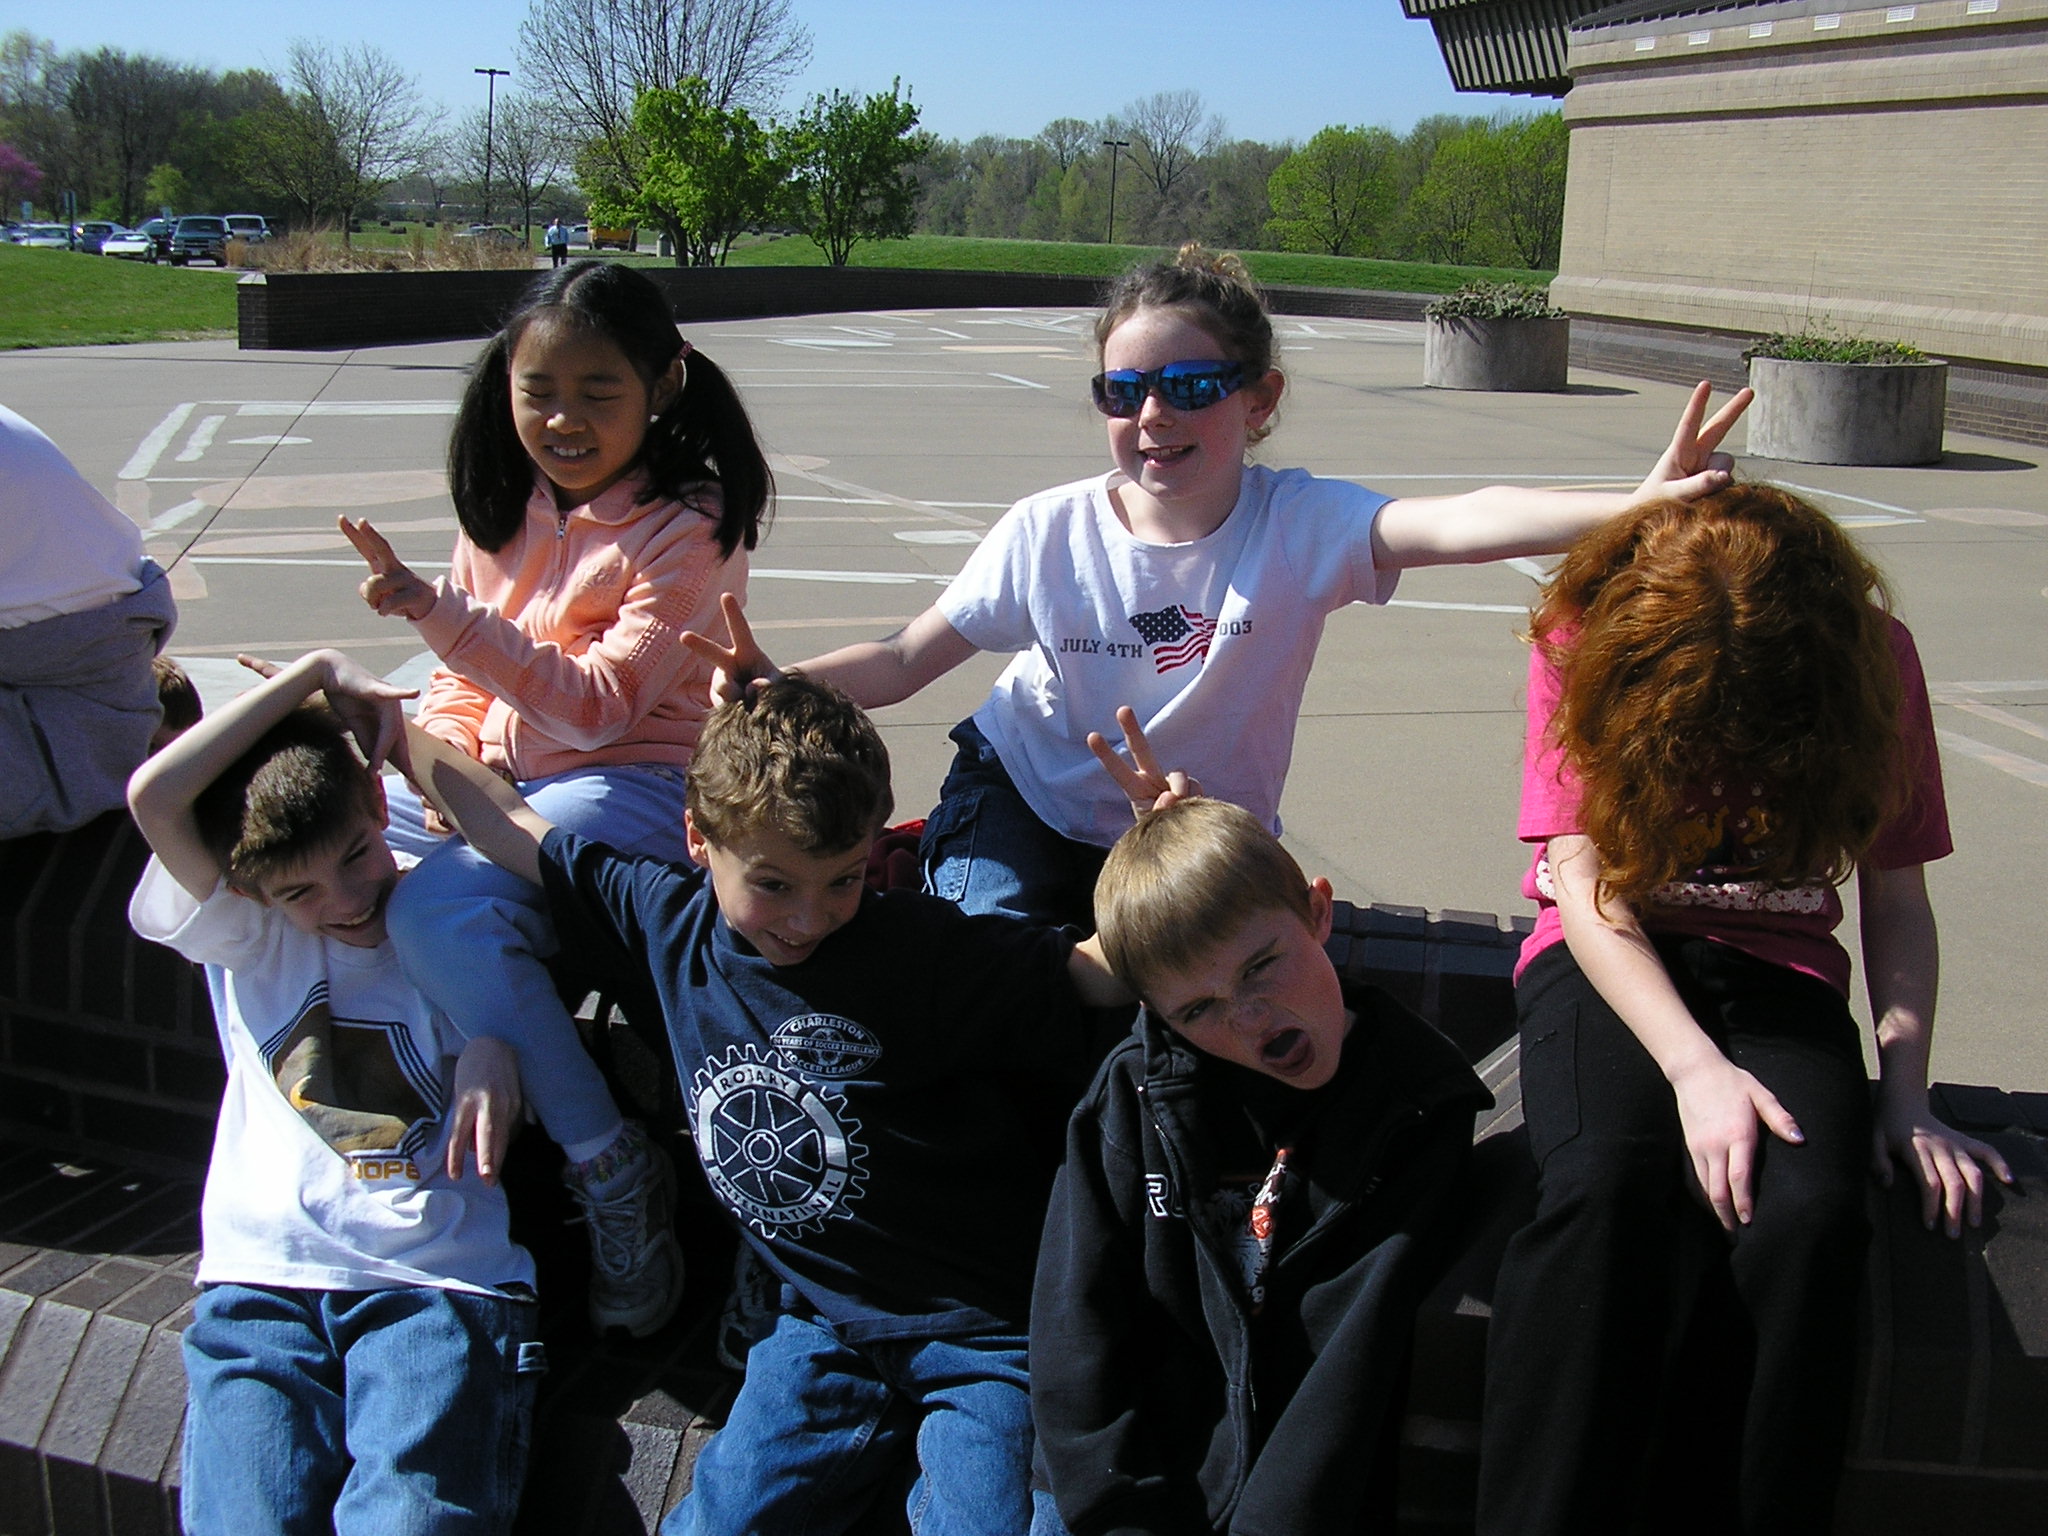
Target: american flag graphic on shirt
[(1177, 635)]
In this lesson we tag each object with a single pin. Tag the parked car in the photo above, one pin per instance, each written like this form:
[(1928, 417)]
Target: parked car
[(92, 233), (158, 230), (200, 237), (622, 237), (47, 236), (579, 237), (131, 244), (252, 227), (490, 234)]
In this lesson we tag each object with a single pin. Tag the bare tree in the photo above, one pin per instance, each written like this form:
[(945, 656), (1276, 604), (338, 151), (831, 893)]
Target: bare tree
[(588, 60), (1170, 131), (352, 122)]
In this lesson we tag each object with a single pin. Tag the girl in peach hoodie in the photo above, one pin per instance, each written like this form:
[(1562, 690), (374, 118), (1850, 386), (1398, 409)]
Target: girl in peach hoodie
[(609, 486)]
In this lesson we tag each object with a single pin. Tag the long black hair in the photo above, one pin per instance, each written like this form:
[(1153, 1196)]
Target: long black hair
[(703, 435)]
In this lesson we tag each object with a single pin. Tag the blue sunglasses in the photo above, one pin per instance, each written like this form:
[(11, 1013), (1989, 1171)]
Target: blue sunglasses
[(1188, 386)]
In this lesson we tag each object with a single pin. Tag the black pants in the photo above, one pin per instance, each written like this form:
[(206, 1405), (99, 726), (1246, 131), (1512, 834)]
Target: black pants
[(1645, 1369), (558, 254)]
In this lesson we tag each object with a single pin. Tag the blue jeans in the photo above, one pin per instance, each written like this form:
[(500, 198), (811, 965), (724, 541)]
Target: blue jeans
[(985, 850), (475, 939), (401, 1412), (822, 1429)]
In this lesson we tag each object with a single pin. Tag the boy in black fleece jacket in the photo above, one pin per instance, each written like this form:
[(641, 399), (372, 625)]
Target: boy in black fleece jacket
[(1257, 1193)]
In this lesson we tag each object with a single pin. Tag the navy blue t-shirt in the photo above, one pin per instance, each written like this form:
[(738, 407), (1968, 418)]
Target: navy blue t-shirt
[(884, 1119)]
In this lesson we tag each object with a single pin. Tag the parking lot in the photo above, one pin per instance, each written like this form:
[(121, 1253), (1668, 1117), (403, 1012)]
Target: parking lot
[(898, 438)]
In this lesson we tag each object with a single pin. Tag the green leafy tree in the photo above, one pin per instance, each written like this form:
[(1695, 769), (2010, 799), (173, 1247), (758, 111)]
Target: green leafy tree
[(1337, 192), (851, 159), (1450, 210), (703, 173), (1530, 167), (167, 187)]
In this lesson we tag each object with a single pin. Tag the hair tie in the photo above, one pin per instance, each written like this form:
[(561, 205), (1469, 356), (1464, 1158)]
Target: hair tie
[(687, 348)]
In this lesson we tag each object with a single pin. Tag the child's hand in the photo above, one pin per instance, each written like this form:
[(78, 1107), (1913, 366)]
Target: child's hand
[(1142, 780), (391, 588), (1690, 468), (486, 1107), (1949, 1165), (1719, 1106), (735, 668), (366, 704)]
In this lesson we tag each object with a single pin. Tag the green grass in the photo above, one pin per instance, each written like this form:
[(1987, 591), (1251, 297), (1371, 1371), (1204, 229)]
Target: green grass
[(69, 299), (951, 253), (62, 298)]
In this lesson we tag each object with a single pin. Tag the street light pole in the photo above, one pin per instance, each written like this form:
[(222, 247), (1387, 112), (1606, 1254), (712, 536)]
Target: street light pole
[(490, 117), (1113, 145)]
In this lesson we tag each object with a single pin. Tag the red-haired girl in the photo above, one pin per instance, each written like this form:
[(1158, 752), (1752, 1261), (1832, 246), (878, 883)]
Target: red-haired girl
[(1724, 722)]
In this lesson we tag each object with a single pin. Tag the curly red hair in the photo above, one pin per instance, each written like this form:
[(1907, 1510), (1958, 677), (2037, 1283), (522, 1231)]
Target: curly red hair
[(1745, 634)]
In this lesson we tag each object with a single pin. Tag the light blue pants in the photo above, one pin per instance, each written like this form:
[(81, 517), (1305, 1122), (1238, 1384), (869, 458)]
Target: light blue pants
[(474, 939)]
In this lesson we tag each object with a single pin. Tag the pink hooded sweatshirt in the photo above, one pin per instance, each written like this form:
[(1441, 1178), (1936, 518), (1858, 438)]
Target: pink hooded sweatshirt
[(563, 649)]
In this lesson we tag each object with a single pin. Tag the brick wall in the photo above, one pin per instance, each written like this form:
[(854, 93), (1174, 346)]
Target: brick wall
[(1760, 167)]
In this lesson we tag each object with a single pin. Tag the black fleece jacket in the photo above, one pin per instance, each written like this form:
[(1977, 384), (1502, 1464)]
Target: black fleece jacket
[(1162, 1403)]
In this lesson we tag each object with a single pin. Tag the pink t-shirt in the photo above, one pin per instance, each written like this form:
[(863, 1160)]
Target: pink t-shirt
[(1790, 927)]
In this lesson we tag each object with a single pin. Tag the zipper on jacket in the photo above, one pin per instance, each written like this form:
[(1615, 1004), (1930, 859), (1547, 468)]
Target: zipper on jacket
[(561, 524), (1376, 1153)]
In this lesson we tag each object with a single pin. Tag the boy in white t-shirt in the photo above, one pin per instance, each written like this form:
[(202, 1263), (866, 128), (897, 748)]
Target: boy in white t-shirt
[(361, 1357)]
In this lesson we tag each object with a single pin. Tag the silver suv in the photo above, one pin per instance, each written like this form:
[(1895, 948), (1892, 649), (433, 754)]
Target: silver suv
[(252, 227)]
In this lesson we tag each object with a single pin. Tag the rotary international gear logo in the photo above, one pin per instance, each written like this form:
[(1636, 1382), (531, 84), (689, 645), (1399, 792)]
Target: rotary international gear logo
[(776, 1149), (826, 1045)]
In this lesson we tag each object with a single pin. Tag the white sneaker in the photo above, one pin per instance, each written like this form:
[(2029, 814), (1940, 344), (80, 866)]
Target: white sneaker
[(636, 1269)]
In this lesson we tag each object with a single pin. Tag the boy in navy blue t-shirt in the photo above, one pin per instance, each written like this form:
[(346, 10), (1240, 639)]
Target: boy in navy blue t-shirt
[(874, 1084)]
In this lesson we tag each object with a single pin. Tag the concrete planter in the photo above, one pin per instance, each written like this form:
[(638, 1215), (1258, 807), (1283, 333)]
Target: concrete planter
[(1847, 413), (1522, 355)]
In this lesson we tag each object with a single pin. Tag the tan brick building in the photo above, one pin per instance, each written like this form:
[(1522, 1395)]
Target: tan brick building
[(1747, 168)]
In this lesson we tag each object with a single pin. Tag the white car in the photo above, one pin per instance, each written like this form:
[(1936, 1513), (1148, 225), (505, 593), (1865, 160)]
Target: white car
[(133, 244), (54, 237), (250, 227)]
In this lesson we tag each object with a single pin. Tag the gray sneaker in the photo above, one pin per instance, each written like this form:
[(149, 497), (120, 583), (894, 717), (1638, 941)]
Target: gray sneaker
[(636, 1269)]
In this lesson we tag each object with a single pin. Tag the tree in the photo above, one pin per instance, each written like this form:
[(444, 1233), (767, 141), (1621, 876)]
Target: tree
[(1067, 139), (1169, 132), (850, 159), (1449, 209), (1236, 201), (590, 60), (1531, 164), (351, 123), (126, 109), (167, 187), (1335, 193), (705, 174), (524, 149), (19, 177)]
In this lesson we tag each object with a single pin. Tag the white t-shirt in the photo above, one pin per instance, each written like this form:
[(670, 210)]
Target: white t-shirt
[(328, 1168), (1210, 642), (67, 549)]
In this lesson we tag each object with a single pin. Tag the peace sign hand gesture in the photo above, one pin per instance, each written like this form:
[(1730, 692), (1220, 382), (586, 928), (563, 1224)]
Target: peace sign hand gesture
[(1690, 467), (1148, 786), (392, 587), (738, 667)]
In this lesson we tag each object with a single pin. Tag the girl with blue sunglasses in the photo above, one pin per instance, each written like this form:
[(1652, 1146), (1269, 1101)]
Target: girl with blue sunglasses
[(1186, 583)]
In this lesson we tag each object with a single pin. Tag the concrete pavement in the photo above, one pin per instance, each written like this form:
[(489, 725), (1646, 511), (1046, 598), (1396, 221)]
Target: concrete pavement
[(900, 437)]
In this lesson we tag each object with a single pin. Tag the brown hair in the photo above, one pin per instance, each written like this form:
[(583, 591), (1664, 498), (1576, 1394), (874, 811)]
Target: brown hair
[(1184, 878), (1217, 292), (296, 791), (1742, 633), (174, 691), (796, 757)]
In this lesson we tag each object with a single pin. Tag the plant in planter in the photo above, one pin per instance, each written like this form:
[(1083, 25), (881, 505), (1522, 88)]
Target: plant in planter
[(1505, 336), (1826, 398)]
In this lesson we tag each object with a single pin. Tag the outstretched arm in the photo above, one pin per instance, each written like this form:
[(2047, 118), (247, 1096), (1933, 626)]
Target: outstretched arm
[(482, 807), (1501, 521), (162, 790), (1901, 963), (1719, 1104), (871, 672)]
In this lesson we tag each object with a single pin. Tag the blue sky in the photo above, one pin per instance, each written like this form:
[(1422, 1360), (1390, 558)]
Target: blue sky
[(1281, 71)]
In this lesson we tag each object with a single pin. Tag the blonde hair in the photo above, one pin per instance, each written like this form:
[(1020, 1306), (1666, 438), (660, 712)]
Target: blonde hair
[(1184, 878)]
